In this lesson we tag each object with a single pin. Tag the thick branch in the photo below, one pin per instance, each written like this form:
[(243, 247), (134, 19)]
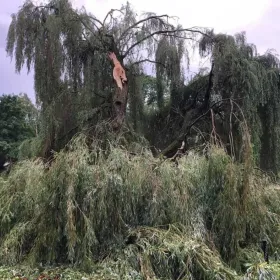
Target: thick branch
[(182, 136)]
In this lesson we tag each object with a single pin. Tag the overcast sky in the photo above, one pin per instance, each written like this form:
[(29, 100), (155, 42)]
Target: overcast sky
[(259, 18)]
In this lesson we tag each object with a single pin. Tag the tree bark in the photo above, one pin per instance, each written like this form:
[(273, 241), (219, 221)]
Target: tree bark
[(119, 106)]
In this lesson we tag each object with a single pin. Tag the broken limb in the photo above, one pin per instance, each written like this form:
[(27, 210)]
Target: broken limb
[(118, 71)]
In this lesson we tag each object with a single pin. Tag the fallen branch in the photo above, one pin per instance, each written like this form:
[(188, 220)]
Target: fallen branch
[(183, 135)]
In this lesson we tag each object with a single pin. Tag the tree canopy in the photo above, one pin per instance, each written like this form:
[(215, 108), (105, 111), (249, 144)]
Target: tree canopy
[(68, 49)]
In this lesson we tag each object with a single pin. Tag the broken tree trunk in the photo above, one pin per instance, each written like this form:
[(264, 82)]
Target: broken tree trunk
[(121, 94), (119, 106)]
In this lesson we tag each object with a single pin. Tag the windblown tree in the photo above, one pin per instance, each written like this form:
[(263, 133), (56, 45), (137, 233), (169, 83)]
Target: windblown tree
[(69, 52)]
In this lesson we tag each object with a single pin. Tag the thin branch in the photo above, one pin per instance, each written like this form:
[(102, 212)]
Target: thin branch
[(214, 132), (110, 13), (140, 21), (42, 6), (100, 34), (95, 19), (85, 24), (89, 42), (180, 37), (148, 60), (230, 130), (161, 32)]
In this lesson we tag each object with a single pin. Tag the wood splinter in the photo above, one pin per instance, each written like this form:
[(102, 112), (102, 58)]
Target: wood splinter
[(118, 71)]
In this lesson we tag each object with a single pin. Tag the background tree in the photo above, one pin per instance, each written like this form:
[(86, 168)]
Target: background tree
[(249, 83), (17, 123)]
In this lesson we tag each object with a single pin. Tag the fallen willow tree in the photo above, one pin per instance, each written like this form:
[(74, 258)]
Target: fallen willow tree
[(136, 215)]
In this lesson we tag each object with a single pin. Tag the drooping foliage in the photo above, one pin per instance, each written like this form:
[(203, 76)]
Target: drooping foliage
[(105, 199), (241, 87), (68, 50), (251, 82), (149, 214), (169, 56)]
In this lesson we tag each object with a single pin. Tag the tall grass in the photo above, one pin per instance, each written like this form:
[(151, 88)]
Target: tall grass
[(151, 217)]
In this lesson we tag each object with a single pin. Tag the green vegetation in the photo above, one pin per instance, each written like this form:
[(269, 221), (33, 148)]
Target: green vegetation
[(140, 216), (17, 123), (162, 179)]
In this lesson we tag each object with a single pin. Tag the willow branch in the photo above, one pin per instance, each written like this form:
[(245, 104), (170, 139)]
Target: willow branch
[(110, 13), (139, 22), (181, 37), (162, 32), (95, 19), (148, 60)]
